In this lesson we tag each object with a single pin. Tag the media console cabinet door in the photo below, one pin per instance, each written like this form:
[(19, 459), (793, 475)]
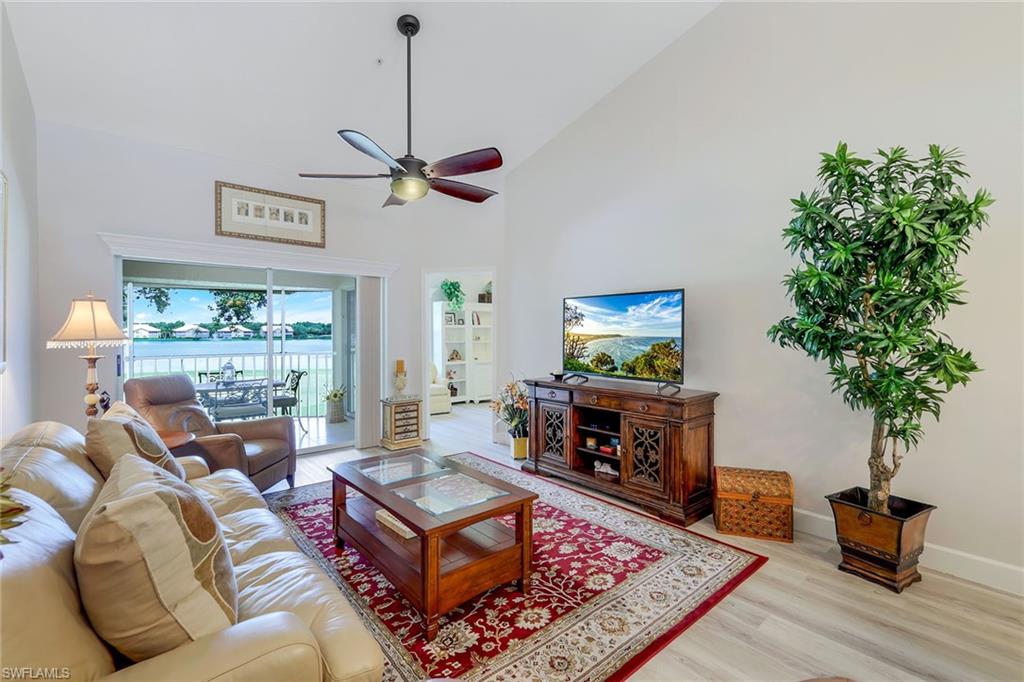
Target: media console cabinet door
[(646, 465), (553, 433)]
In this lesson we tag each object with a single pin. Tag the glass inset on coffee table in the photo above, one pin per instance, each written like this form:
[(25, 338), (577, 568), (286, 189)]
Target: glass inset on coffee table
[(459, 548), (400, 468), (449, 493)]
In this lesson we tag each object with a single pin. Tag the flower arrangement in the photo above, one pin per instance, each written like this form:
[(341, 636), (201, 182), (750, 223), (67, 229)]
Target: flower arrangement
[(334, 395), (512, 407), (453, 293), (10, 509)]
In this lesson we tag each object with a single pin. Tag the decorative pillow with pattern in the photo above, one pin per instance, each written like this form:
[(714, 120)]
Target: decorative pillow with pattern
[(153, 568), (122, 430)]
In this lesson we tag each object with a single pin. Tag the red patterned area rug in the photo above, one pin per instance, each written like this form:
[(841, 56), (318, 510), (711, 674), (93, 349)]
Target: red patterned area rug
[(611, 587)]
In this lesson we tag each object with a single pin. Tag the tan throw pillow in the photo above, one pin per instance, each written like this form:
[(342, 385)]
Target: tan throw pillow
[(153, 569), (122, 430)]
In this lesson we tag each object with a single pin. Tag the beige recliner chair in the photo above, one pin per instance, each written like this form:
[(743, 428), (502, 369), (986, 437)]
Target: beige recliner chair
[(262, 449)]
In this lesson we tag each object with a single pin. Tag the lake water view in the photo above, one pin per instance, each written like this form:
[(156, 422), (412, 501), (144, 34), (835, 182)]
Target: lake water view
[(152, 347)]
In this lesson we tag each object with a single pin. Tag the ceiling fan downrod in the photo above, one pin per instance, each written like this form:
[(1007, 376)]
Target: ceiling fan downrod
[(408, 25)]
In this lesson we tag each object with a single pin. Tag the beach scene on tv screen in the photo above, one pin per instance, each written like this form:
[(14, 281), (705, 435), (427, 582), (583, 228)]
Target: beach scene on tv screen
[(625, 335)]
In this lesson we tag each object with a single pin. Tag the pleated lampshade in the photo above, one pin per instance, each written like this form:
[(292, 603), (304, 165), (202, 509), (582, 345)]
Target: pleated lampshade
[(89, 325)]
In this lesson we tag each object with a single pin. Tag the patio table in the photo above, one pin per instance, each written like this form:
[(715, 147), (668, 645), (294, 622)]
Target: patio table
[(212, 386), (219, 398)]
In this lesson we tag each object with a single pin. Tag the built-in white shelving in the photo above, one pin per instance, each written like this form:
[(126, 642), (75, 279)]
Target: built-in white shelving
[(468, 351)]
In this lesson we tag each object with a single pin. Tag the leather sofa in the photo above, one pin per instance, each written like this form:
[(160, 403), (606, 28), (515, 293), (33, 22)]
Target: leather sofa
[(262, 449), (293, 621)]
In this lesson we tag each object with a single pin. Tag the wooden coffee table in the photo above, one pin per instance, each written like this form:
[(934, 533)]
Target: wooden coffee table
[(459, 550)]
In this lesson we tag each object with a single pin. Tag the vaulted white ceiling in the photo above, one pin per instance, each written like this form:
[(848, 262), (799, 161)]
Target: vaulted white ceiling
[(271, 83)]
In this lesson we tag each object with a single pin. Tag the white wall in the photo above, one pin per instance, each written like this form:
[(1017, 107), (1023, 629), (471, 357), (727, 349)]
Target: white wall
[(682, 177), (18, 390), (93, 182)]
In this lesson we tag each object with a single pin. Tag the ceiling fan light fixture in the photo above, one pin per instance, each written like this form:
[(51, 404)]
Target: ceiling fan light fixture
[(412, 177), (409, 188)]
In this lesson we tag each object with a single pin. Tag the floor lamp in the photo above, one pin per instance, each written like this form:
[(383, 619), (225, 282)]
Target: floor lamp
[(90, 326)]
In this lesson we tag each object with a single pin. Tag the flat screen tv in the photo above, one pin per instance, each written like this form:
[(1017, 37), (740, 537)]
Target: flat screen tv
[(630, 336)]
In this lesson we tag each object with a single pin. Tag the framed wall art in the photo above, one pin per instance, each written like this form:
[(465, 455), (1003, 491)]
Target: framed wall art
[(253, 213)]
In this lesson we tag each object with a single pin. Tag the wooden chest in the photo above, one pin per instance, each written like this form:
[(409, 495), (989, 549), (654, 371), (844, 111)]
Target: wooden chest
[(755, 503), (401, 422)]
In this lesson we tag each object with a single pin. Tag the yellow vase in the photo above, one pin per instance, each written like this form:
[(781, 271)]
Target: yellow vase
[(519, 447)]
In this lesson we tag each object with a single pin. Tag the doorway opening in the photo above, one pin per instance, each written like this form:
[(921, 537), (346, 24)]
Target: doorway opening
[(256, 342), (458, 355)]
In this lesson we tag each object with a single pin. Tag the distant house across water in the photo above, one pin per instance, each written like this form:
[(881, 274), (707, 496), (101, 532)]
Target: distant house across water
[(288, 331), (239, 332), (141, 330), (191, 331)]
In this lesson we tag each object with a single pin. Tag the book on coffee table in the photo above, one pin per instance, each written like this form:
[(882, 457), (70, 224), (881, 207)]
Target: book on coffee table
[(391, 522)]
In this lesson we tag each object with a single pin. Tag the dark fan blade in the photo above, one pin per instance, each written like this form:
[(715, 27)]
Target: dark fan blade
[(392, 200), (461, 190), (343, 175), (464, 164), (369, 147)]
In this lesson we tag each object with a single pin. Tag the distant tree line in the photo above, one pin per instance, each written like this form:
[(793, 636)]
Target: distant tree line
[(229, 307)]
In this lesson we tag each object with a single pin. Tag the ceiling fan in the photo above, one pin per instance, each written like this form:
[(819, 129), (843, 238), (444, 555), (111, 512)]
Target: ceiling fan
[(412, 178)]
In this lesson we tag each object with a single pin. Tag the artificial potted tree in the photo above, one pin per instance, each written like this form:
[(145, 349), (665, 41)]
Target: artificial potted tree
[(878, 243)]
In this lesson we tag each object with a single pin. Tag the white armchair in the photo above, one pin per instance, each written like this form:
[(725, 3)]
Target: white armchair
[(440, 398)]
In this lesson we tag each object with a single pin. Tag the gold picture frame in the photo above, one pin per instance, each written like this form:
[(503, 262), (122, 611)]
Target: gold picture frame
[(253, 213)]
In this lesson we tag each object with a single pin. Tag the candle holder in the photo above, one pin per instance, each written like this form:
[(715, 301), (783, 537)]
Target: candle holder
[(400, 383)]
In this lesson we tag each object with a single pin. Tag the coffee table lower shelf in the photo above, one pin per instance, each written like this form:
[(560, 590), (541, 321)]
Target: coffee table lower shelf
[(439, 571)]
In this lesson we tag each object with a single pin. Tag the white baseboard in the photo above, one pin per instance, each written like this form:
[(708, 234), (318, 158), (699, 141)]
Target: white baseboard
[(979, 569)]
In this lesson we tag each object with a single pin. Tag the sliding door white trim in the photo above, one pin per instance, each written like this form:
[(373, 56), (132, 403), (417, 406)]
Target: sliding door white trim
[(231, 252), (369, 316)]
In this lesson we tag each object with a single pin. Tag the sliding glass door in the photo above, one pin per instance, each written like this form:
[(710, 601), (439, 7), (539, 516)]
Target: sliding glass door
[(255, 342)]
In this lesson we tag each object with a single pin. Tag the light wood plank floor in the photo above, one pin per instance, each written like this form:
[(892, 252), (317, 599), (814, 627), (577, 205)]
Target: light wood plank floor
[(798, 617)]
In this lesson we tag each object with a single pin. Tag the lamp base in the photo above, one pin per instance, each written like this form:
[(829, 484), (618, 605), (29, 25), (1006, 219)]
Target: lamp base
[(91, 385)]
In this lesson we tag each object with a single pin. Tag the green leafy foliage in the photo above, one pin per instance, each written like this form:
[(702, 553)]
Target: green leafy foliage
[(453, 293), (575, 346), (603, 362), (159, 297), (878, 243), (230, 307), (663, 360)]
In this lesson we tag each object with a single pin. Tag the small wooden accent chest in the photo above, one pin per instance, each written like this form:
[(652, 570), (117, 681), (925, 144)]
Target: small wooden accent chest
[(755, 503), (402, 420)]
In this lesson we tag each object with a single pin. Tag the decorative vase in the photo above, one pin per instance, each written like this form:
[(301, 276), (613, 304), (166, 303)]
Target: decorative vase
[(882, 548), (335, 411), (400, 383), (519, 447)]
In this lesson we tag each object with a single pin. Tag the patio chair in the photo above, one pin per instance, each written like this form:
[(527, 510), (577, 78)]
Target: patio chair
[(288, 398), (262, 449)]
